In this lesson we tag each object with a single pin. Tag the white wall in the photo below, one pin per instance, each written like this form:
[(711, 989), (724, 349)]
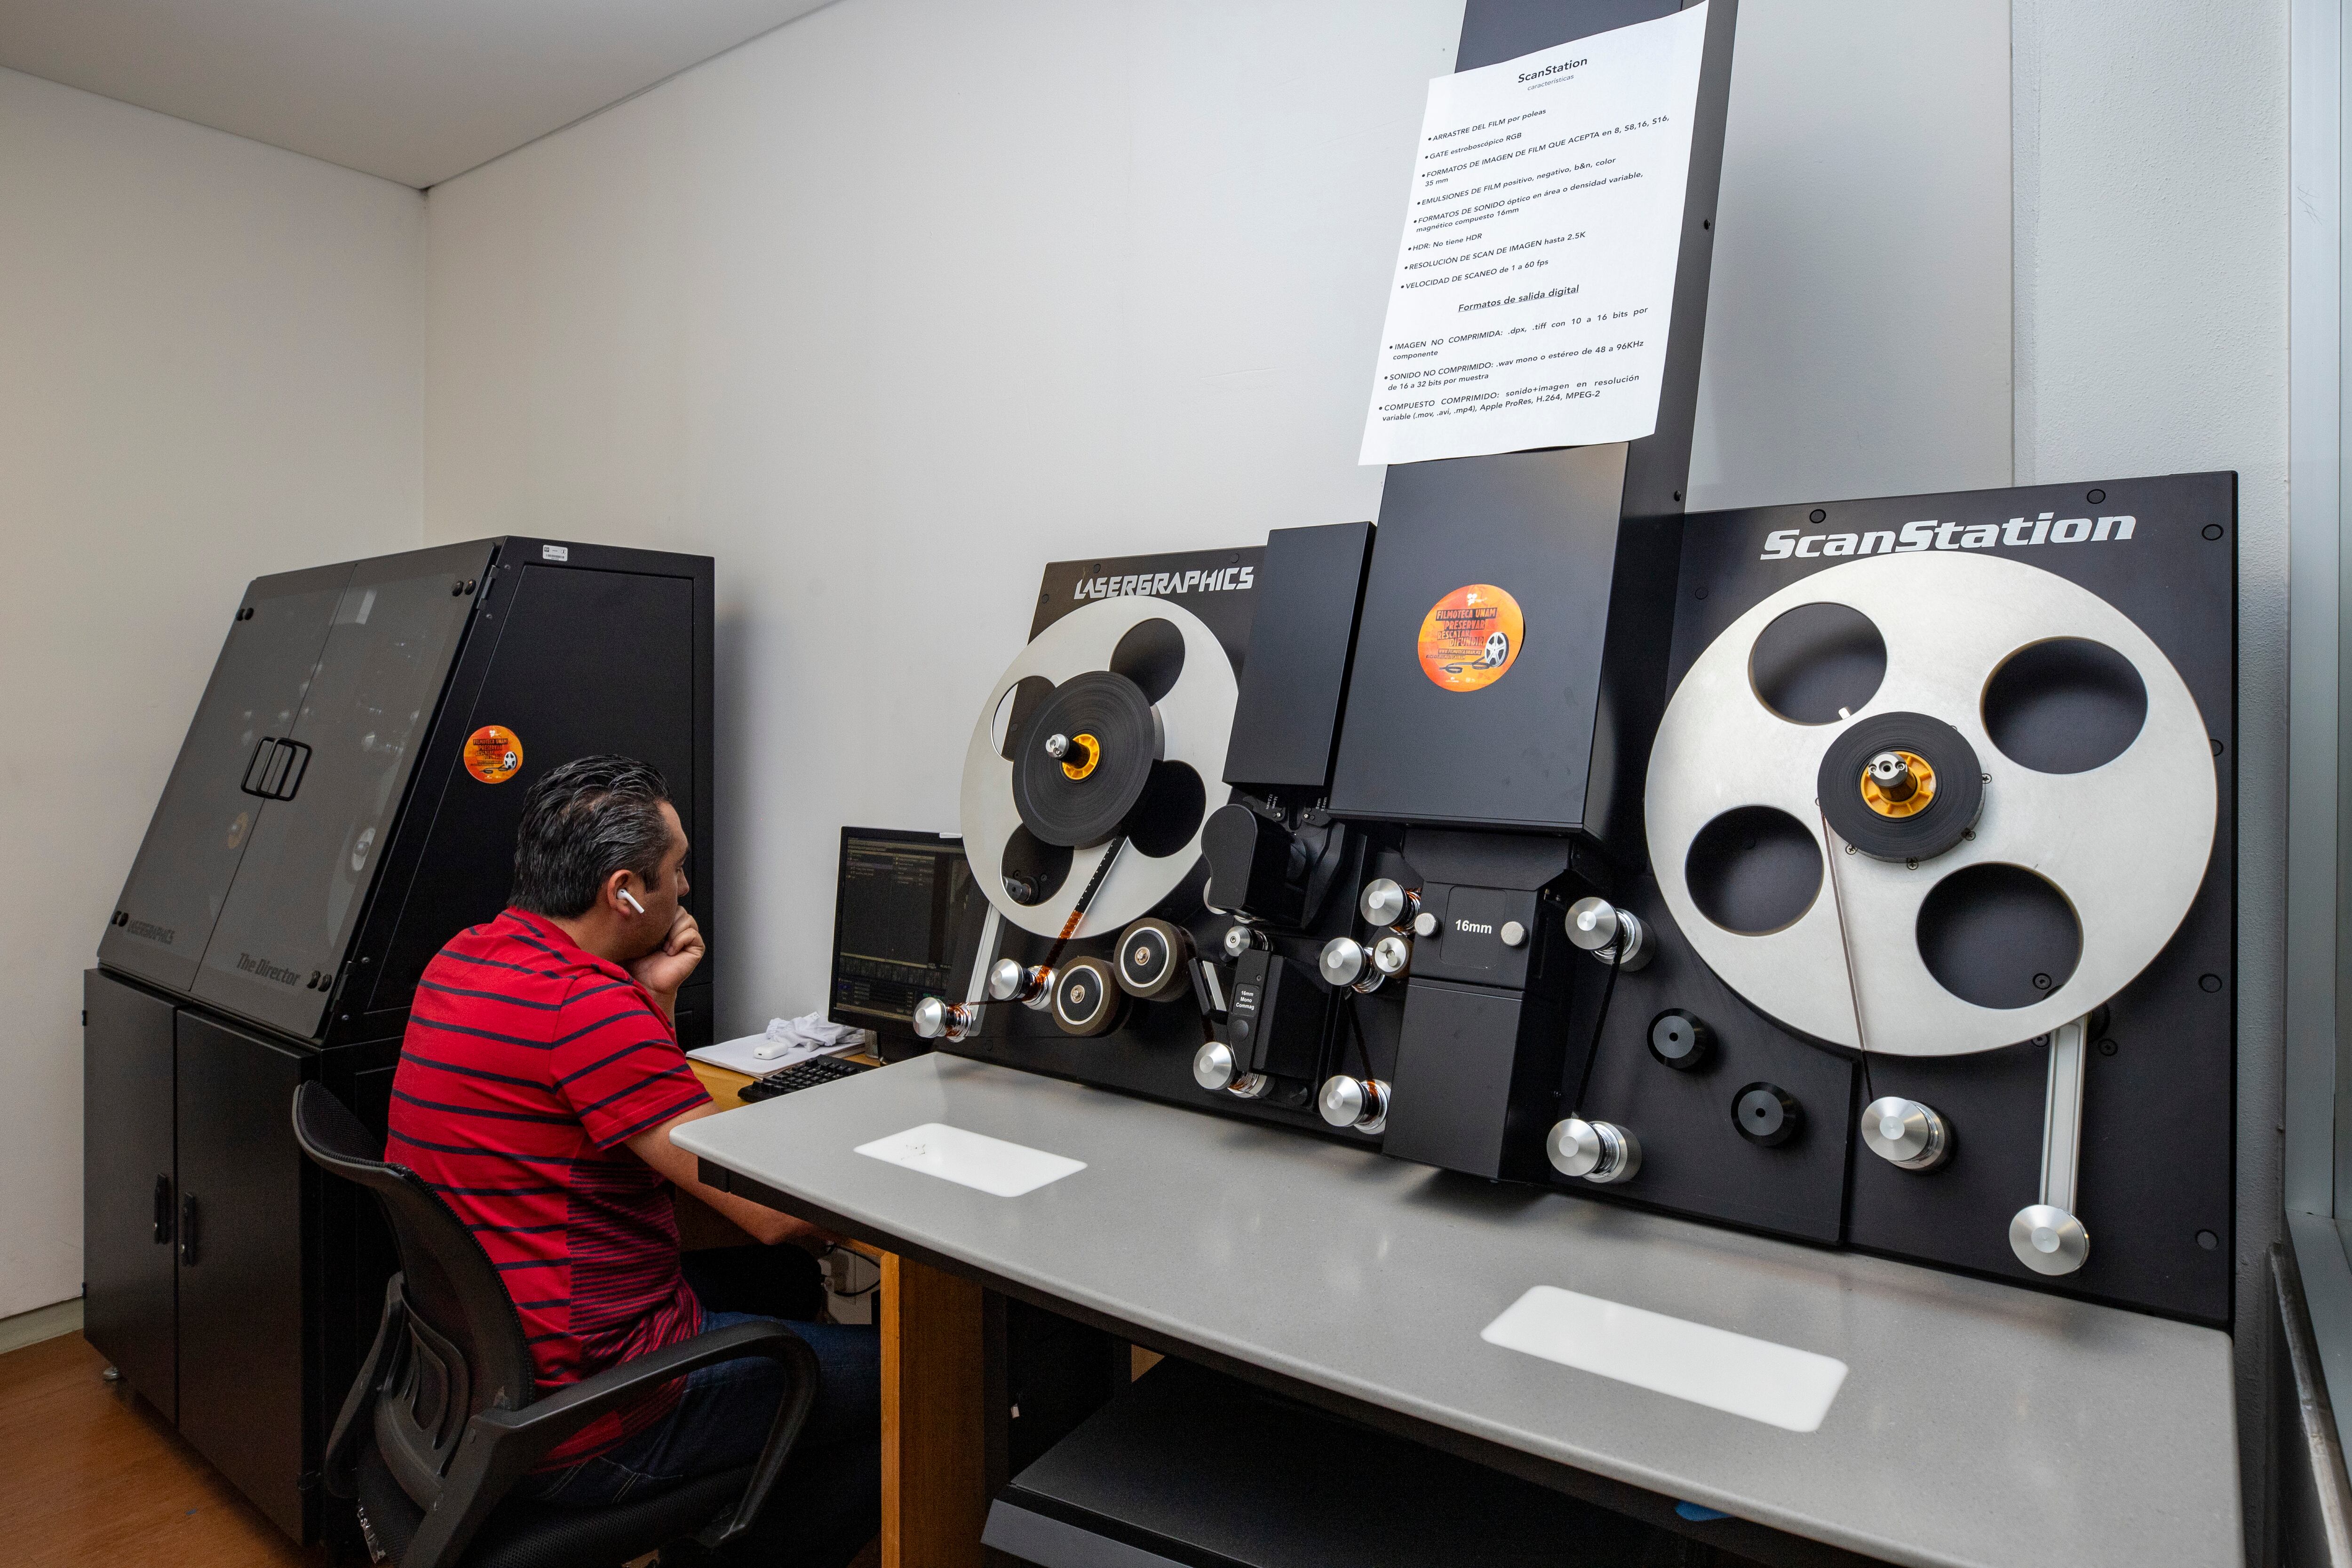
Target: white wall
[(889, 307), (1858, 324), (2151, 142), (212, 354)]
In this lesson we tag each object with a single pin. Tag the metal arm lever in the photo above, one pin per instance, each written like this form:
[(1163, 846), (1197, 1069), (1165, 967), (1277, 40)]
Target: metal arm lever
[(2046, 1236)]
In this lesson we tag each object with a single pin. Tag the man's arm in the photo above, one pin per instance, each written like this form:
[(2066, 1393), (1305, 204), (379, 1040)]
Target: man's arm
[(662, 971), (765, 1223)]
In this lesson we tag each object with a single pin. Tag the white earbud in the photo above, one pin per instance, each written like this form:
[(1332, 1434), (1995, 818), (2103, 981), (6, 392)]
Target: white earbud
[(633, 901)]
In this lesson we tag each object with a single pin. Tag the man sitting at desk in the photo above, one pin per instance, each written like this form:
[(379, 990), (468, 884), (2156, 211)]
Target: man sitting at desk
[(538, 1087)]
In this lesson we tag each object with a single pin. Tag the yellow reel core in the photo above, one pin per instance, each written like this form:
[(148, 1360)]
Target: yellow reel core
[(1089, 754), (1923, 778)]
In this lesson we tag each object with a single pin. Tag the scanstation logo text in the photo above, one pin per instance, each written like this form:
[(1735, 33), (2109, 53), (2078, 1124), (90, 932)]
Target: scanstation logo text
[(2049, 528)]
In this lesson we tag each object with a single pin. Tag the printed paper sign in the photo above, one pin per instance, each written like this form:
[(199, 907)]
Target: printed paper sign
[(1535, 280)]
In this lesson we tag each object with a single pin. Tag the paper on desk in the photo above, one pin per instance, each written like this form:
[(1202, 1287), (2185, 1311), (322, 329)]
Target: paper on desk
[(1535, 280), (735, 1055), (971, 1159), (1776, 1383)]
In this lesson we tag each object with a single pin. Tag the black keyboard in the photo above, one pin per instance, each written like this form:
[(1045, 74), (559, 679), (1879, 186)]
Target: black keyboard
[(806, 1074)]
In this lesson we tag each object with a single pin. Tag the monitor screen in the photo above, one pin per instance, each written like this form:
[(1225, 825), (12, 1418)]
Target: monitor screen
[(900, 908)]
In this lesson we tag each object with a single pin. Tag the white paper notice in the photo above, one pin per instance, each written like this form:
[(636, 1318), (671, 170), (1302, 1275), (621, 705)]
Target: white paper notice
[(1537, 278), (1776, 1383), (971, 1159)]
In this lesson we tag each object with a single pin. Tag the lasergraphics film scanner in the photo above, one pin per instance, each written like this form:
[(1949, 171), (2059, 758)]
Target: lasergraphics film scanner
[(1858, 872), (1142, 805)]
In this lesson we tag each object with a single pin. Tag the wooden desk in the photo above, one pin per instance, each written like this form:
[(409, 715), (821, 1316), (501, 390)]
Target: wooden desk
[(699, 1226), (934, 1439)]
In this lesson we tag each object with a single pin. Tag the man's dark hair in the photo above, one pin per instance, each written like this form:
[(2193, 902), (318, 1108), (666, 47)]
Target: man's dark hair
[(581, 822)]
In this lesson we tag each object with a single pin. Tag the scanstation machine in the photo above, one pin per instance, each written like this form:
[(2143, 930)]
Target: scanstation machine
[(1858, 872)]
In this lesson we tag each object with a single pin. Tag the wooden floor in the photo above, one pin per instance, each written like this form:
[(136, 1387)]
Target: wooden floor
[(88, 1476)]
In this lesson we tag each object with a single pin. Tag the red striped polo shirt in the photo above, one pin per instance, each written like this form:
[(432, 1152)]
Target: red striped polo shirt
[(528, 1066)]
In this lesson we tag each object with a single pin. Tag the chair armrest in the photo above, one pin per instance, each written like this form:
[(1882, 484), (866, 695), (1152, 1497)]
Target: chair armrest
[(501, 1447), (543, 1424), (791, 1415)]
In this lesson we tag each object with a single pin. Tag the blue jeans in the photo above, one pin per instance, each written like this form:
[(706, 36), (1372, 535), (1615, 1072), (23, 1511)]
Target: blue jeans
[(827, 1503)]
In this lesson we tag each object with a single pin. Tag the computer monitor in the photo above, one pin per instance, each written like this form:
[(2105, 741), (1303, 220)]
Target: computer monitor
[(903, 906)]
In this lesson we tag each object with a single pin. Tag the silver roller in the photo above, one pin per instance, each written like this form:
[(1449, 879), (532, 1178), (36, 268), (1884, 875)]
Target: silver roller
[(1601, 1153), (1906, 1134), (1610, 934), (2127, 843), (1195, 721), (1358, 1103), (1215, 1067), (1386, 902), (1347, 962), (1010, 981)]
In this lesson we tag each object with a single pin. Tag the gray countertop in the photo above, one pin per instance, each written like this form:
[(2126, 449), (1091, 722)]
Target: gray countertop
[(1978, 1424)]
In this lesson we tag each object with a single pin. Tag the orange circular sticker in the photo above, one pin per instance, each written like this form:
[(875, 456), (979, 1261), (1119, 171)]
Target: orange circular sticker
[(493, 754), (1470, 637)]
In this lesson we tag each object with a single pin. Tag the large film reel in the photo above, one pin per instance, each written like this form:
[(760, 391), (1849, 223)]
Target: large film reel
[(1139, 695), (2045, 885)]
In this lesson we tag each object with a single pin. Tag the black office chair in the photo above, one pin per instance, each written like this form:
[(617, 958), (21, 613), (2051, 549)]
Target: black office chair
[(445, 1416)]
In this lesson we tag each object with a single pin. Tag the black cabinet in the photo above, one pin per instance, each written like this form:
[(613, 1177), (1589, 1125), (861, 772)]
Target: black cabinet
[(244, 1187), (205, 820), (327, 825), (203, 1252), (335, 815), (310, 858), (129, 1198)]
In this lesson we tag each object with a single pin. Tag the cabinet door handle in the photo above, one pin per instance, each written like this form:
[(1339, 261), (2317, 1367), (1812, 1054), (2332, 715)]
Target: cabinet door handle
[(163, 1210), (187, 1231), (275, 770)]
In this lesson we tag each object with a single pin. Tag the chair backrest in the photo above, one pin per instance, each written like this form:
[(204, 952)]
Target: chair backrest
[(462, 1349)]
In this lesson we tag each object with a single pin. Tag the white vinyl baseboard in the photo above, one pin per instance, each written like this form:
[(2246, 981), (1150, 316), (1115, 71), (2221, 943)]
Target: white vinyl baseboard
[(40, 1323)]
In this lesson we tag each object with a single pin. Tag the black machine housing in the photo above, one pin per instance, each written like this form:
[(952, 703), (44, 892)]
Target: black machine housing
[(1505, 804), (1279, 847), (1482, 1047), (2159, 1103), (321, 837)]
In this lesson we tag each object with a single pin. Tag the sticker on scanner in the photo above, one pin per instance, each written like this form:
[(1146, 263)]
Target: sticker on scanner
[(971, 1159), (1470, 638), (1775, 1384)]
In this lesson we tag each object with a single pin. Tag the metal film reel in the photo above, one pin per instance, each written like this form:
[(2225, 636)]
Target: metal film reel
[(1959, 944), (1141, 695)]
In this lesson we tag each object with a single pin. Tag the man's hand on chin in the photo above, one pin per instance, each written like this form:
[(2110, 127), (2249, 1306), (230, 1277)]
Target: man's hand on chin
[(666, 968)]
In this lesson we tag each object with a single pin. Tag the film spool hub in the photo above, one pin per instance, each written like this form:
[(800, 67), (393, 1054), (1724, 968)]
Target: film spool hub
[(1971, 801), (1100, 741), (1085, 759), (1900, 786)]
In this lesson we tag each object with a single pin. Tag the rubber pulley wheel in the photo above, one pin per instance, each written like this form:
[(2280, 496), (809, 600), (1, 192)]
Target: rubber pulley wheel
[(1152, 954), (1937, 826), (1078, 814), (1087, 1000)]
